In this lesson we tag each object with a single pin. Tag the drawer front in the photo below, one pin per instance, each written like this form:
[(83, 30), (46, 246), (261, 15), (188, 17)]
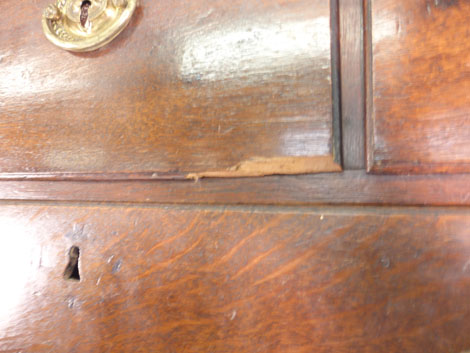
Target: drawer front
[(234, 280), (419, 84), (207, 88)]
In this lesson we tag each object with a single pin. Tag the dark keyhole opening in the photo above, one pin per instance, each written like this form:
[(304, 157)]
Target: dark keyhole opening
[(71, 271), (84, 12)]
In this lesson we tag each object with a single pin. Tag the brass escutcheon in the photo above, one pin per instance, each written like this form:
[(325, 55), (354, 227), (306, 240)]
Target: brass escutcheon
[(86, 25)]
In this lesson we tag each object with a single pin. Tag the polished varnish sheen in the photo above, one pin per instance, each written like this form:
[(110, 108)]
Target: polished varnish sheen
[(332, 262), (218, 88), (234, 280), (419, 86)]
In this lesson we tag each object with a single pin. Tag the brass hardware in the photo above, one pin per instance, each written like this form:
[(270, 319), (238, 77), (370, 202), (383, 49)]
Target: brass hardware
[(79, 26)]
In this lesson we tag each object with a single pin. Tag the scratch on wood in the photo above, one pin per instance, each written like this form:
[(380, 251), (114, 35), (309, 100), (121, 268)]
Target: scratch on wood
[(444, 4), (464, 269), (259, 166)]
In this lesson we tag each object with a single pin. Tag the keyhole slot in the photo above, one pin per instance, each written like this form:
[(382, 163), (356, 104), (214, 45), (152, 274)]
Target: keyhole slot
[(84, 12), (71, 271)]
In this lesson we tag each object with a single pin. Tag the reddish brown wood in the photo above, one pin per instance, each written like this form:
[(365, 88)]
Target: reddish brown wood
[(353, 188), (213, 88), (234, 280), (236, 88), (419, 101), (352, 84)]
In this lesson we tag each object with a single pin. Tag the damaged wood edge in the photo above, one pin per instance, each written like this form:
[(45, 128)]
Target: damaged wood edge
[(255, 167), (260, 166)]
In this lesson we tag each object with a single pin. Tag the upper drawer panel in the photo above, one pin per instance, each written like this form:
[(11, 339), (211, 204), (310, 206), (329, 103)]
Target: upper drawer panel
[(218, 88), (419, 93)]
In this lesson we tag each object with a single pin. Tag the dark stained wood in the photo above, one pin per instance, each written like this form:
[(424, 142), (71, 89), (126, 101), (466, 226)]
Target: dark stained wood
[(210, 88), (350, 187), (419, 102), (352, 84), (210, 280)]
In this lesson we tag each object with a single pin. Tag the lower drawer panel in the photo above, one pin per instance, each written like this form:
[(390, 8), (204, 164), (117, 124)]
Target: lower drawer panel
[(170, 279)]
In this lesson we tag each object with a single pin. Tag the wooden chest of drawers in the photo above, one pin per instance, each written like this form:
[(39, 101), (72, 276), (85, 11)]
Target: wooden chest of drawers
[(238, 176)]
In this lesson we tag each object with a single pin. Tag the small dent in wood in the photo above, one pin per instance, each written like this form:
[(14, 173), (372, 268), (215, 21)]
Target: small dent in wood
[(70, 302), (385, 261), (117, 266)]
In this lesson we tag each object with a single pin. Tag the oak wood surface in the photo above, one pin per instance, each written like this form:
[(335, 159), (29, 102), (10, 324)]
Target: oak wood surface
[(235, 280), (219, 88), (419, 86), (350, 187)]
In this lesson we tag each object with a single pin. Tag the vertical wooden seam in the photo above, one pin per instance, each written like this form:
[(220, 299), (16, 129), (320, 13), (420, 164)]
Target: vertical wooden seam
[(352, 86), (368, 84), (335, 82)]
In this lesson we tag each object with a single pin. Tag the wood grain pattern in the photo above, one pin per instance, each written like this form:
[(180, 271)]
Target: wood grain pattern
[(209, 280), (419, 101), (213, 88), (350, 187), (352, 84)]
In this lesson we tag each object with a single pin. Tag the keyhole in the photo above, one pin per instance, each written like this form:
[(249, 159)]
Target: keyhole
[(84, 12), (71, 271)]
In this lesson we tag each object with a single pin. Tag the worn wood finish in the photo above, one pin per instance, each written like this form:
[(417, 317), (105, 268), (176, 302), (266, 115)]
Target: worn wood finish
[(419, 102), (352, 83), (350, 187), (209, 280), (218, 88)]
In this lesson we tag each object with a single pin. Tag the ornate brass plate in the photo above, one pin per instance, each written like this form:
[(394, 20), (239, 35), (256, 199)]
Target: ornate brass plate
[(81, 26)]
